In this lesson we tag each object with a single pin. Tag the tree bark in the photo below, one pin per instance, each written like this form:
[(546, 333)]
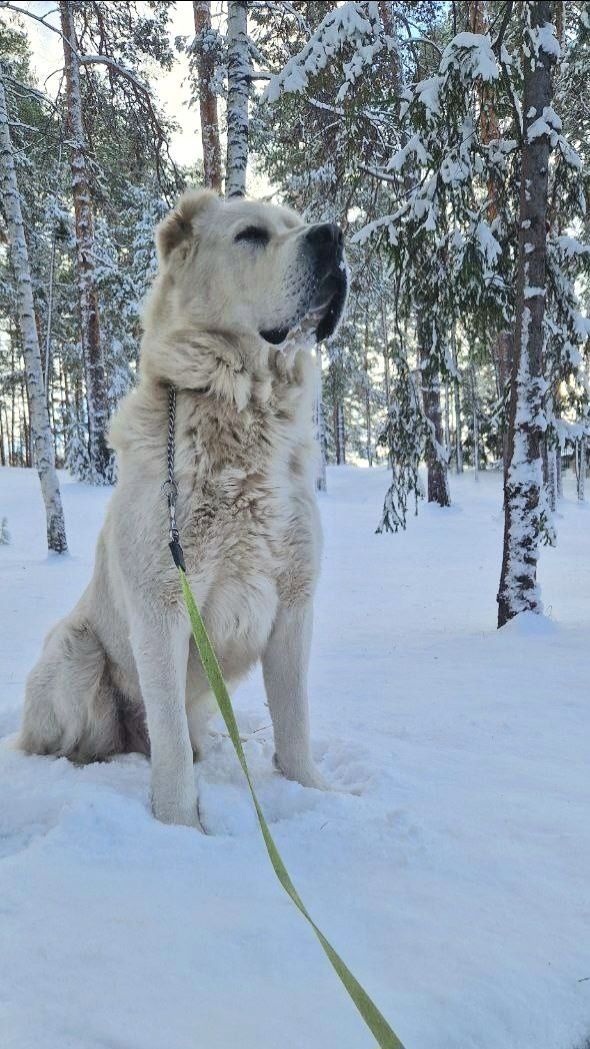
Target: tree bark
[(320, 426), (368, 418), (518, 591), (39, 417), (96, 390), (238, 87), (207, 97), (580, 454), (504, 351), (558, 473), (438, 487), (339, 433), (457, 391), (475, 422)]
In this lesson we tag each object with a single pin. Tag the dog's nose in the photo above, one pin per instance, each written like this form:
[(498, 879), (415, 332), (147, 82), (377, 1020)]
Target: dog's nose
[(325, 237)]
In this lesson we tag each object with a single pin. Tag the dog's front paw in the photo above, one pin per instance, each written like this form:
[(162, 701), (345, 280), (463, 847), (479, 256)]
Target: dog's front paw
[(178, 815), (304, 773)]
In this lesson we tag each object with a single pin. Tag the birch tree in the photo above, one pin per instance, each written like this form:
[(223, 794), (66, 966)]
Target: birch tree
[(96, 389), (518, 590), (39, 416), (205, 59), (238, 89)]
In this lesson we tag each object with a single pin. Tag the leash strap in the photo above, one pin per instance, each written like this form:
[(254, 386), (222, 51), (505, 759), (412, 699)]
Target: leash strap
[(375, 1021)]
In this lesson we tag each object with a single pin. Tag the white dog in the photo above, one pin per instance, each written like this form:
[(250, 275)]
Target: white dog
[(241, 288)]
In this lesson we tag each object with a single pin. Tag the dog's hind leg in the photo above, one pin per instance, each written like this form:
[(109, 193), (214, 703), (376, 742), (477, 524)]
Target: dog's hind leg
[(70, 707)]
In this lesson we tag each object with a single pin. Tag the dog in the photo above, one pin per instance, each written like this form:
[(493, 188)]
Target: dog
[(243, 291)]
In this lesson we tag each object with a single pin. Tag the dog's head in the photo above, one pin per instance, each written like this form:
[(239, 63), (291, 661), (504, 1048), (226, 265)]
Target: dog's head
[(252, 267)]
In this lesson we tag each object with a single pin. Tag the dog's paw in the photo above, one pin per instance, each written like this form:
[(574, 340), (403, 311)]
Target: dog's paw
[(306, 774), (177, 815)]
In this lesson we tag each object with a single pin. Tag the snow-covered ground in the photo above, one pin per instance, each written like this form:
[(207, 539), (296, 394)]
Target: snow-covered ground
[(450, 867)]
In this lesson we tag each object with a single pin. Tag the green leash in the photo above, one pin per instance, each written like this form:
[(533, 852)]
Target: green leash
[(375, 1021)]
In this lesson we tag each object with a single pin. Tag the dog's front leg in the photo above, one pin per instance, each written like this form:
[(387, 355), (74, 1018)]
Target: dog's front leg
[(161, 646), (284, 664)]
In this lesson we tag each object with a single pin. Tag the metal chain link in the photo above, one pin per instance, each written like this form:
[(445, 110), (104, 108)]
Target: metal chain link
[(169, 487)]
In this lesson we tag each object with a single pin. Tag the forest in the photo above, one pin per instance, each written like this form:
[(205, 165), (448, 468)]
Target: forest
[(448, 140), (435, 814)]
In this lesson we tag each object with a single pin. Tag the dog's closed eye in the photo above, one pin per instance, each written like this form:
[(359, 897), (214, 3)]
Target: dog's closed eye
[(254, 235)]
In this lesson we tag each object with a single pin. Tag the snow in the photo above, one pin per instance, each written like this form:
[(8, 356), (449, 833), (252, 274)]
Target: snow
[(449, 867), (547, 124), (350, 23), (544, 39), (474, 54)]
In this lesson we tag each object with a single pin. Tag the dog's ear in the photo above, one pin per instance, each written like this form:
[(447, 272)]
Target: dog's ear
[(175, 234)]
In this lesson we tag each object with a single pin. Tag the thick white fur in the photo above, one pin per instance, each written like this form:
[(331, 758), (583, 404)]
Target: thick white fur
[(246, 513)]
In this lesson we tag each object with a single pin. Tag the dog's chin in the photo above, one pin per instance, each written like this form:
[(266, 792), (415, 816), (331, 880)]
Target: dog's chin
[(322, 317)]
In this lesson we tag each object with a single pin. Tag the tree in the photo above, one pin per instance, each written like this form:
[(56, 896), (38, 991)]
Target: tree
[(203, 48), (518, 590), (41, 433), (96, 389), (238, 90)]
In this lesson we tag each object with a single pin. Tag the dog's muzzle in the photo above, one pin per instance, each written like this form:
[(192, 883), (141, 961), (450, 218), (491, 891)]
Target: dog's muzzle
[(323, 247)]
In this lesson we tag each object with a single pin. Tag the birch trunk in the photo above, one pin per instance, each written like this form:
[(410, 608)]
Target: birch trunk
[(96, 391), (238, 87), (207, 97), (518, 591), (39, 417)]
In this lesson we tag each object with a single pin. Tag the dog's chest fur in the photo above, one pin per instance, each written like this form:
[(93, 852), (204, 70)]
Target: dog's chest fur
[(244, 470), (246, 505)]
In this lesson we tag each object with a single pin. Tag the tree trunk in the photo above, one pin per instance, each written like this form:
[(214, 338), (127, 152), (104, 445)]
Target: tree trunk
[(504, 349), (320, 427), (457, 388), (447, 434), (518, 590), (369, 421), (96, 391), (339, 433), (558, 473), (386, 372), (438, 487), (39, 418), (581, 468), (238, 87), (475, 422), (207, 97), (552, 477)]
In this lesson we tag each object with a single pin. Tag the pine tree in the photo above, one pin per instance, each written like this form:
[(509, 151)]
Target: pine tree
[(518, 590), (203, 49)]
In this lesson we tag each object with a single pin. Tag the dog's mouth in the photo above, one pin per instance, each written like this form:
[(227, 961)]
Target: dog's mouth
[(321, 319)]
